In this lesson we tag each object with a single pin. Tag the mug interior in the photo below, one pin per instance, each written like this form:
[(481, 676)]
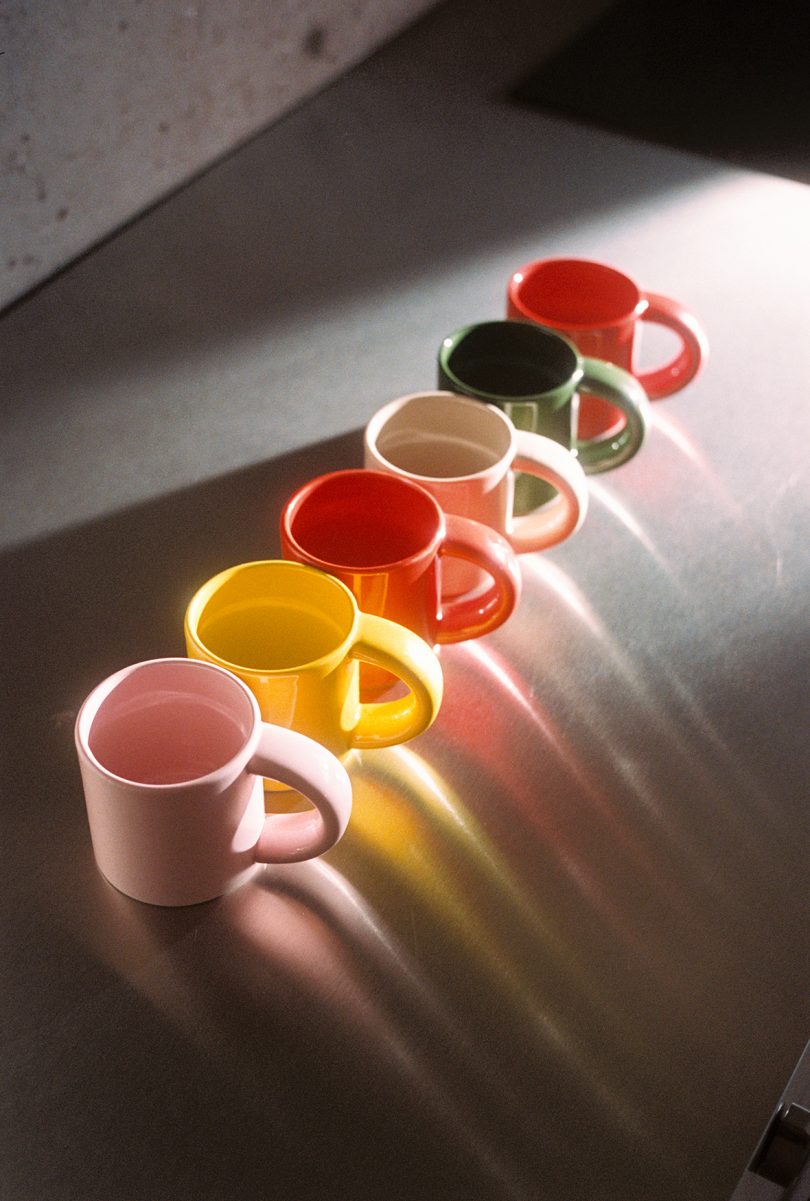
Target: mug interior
[(508, 360), (168, 722), (271, 616), (441, 436), (574, 292), (362, 520)]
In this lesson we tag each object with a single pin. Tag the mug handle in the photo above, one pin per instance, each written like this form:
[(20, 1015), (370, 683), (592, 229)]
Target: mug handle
[(559, 518), (300, 762), (663, 381), (623, 390), (398, 650), (470, 616)]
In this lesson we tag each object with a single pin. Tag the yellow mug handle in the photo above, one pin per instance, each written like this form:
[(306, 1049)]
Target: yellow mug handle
[(387, 644)]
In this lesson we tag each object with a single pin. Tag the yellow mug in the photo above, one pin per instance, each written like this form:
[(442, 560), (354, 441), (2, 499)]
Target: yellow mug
[(295, 635)]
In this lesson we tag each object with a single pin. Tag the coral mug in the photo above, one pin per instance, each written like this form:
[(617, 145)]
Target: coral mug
[(388, 539), (602, 311), (296, 637), (535, 376), (464, 454), (171, 753)]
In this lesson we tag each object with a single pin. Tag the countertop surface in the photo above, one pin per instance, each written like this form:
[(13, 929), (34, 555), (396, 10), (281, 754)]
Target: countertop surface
[(562, 950)]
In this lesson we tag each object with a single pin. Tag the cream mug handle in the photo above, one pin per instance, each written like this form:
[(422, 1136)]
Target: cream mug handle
[(564, 514)]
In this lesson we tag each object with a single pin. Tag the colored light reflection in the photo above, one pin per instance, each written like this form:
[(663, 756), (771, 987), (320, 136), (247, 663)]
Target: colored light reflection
[(562, 842), (435, 852), (753, 527), (654, 708), (606, 496), (305, 928)]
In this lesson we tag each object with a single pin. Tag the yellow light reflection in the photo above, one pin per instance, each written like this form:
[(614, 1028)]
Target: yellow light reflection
[(401, 805), (304, 926)]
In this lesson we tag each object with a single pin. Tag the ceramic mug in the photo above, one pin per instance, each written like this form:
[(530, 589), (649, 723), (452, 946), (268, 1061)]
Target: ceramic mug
[(296, 636), (464, 454), (172, 754), (602, 311), (535, 376), (388, 540)]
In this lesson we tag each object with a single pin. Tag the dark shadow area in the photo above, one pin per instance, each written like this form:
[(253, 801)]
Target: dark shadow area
[(194, 1086), (376, 181), (724, 78), (84, 602)]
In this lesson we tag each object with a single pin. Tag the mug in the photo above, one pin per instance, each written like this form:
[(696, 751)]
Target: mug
[(171, 754), (464, 454), (601, 310), (388, 539), (535, 376), (295, 636)]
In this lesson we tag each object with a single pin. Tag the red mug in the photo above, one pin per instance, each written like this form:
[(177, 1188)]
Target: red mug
[(601, 310), (385, 538)]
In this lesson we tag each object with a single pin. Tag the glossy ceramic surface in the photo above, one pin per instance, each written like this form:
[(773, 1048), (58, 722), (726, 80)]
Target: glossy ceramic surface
[(296, 636), (535, 376), (601, 310), (387, 539), (171, 754), (465, 454)]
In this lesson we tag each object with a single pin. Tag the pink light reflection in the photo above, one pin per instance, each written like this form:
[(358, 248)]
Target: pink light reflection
[(675, 432), (752, 526), (301, 937), (606, 496)]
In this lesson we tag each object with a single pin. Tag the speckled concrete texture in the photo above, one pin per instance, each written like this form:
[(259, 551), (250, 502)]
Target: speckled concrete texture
[(106, 107)]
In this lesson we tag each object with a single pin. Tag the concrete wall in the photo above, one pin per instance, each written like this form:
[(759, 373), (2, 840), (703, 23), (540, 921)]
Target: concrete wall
[(108, 105)]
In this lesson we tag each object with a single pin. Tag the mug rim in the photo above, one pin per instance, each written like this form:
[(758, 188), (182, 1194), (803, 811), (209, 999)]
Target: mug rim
[(303, 494), (559, 392), (207, 590), (93, 702), (534, 266), (384, 414)]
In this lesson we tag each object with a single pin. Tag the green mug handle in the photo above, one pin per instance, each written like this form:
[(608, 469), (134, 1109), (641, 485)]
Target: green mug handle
[(623, 390)]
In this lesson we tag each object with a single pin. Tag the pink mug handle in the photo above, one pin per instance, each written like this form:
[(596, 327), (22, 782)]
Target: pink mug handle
[(663, 381), (308, 767), (465, 616)]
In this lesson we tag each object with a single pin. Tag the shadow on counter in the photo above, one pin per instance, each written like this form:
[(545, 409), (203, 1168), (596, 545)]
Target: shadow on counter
[(548, 891)]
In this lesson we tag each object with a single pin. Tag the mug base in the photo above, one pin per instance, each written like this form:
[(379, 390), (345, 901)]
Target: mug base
[(182, 901)]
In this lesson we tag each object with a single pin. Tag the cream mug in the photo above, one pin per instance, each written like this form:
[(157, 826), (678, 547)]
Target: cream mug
[(465, 454)]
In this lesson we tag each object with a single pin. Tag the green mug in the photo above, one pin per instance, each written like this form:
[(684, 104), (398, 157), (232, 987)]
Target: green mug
[(535, 375)]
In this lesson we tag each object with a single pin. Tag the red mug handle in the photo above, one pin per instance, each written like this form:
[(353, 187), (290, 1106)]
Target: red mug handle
[(673, 376), (470, 616)]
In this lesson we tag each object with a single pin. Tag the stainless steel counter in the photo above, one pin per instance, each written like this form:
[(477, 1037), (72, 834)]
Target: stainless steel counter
[(562, 951)]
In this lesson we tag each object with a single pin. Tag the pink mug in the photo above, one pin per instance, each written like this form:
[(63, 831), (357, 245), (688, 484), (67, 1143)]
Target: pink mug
[(172, 753), (601, 311)]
